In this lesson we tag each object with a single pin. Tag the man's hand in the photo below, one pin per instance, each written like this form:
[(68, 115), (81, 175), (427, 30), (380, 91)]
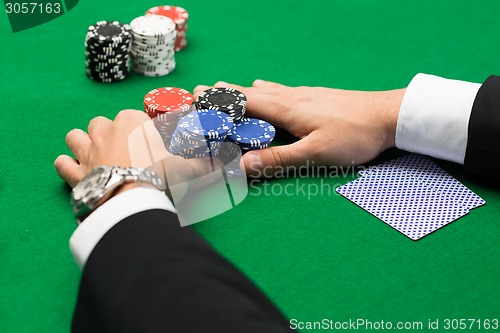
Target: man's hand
[(335, 127), (130, 140), (109, 143)]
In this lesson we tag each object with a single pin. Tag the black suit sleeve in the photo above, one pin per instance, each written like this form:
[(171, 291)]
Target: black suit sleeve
[(147, 274), (482, 155)]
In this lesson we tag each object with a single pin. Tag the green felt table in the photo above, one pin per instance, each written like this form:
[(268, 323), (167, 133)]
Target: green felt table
[(317, 256)]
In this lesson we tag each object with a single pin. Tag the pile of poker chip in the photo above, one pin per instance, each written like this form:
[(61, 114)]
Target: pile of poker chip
[(251, 134), (228, 100), (153, 44), (199, 130), (150, 41), (200, 134), (247, 133), (166, 106), (107, 45), (180, 17)]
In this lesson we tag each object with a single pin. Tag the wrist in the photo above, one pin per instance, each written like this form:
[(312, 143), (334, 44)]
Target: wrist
[(123, 188), (120, 189), (389, 104)]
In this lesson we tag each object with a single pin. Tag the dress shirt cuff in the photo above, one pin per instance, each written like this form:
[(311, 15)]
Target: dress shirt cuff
[(434, 117), (119, 207)]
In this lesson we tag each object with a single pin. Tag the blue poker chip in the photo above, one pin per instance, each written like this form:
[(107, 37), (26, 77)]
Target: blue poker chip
[(189, 144), (200, 134), (190, 138), (234, 172), (193, 149), (189, 156), (250, 132), (245, 149), (209, 124)]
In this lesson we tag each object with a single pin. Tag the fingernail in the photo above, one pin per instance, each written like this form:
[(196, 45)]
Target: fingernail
[(258, 82), (201, 87), (221, 84), (253, 163)]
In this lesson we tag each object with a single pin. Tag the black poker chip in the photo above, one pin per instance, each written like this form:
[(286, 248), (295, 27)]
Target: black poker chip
[(107, 46), (228, 100)]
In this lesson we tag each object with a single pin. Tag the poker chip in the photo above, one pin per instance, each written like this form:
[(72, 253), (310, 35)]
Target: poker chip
[(211, 124), (166, 106), (251, 134), (167, 99), (107, 45), (152, 49), (200, 133), (228, 100), (230, 155), (180, 16)]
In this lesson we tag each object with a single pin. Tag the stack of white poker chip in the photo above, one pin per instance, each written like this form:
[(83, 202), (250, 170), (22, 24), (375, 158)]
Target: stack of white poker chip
[(153, 44)]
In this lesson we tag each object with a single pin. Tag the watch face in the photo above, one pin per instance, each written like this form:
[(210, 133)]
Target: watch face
[(95, 180)]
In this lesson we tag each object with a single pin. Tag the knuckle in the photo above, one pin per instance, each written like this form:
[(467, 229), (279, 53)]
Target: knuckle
[(58, 161), (95, 120), (302, 94), (280, 157), (71, 134), (122, 114), (130, 114)]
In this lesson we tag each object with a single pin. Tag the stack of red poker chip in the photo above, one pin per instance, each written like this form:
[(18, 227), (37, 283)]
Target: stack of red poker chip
[(166, 106), (169, 99), (180, 16)]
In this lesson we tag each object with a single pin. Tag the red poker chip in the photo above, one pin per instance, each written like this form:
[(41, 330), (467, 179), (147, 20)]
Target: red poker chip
[(178, 14), (168, 99)]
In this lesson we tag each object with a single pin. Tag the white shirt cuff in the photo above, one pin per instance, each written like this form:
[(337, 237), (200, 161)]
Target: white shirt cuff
[(434, 117), (119, 207)]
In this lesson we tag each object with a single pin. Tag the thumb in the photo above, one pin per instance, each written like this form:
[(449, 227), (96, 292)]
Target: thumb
[(271, 161)]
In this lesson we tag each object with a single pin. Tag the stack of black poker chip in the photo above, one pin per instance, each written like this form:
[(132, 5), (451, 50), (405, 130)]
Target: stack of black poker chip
[(227, 100), (107, 46)]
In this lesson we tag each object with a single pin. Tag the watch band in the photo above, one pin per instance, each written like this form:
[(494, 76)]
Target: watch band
[(140, 175), (103, 180)]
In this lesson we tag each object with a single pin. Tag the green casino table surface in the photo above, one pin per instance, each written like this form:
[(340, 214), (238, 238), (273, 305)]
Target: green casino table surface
[(316, 256)]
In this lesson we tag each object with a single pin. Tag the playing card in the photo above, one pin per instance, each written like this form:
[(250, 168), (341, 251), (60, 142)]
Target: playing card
[(407, 205), (412, 194), (424, 170)]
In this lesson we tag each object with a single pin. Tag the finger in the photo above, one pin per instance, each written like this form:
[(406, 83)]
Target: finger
[(79, 142), (267, 84), (256, 84), (68, 169), (270, 161), (198, 89), (262, 103), (97, 126), (129, 119)]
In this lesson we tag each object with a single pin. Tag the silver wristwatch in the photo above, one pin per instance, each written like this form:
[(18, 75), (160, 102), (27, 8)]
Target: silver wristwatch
[(105, 179)]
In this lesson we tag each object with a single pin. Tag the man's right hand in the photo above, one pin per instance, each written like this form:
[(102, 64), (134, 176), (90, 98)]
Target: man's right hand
[(334, 127)]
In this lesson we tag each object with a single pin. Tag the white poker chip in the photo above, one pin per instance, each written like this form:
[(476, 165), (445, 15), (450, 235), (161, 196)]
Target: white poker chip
[(152, 25), (153, 46)]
